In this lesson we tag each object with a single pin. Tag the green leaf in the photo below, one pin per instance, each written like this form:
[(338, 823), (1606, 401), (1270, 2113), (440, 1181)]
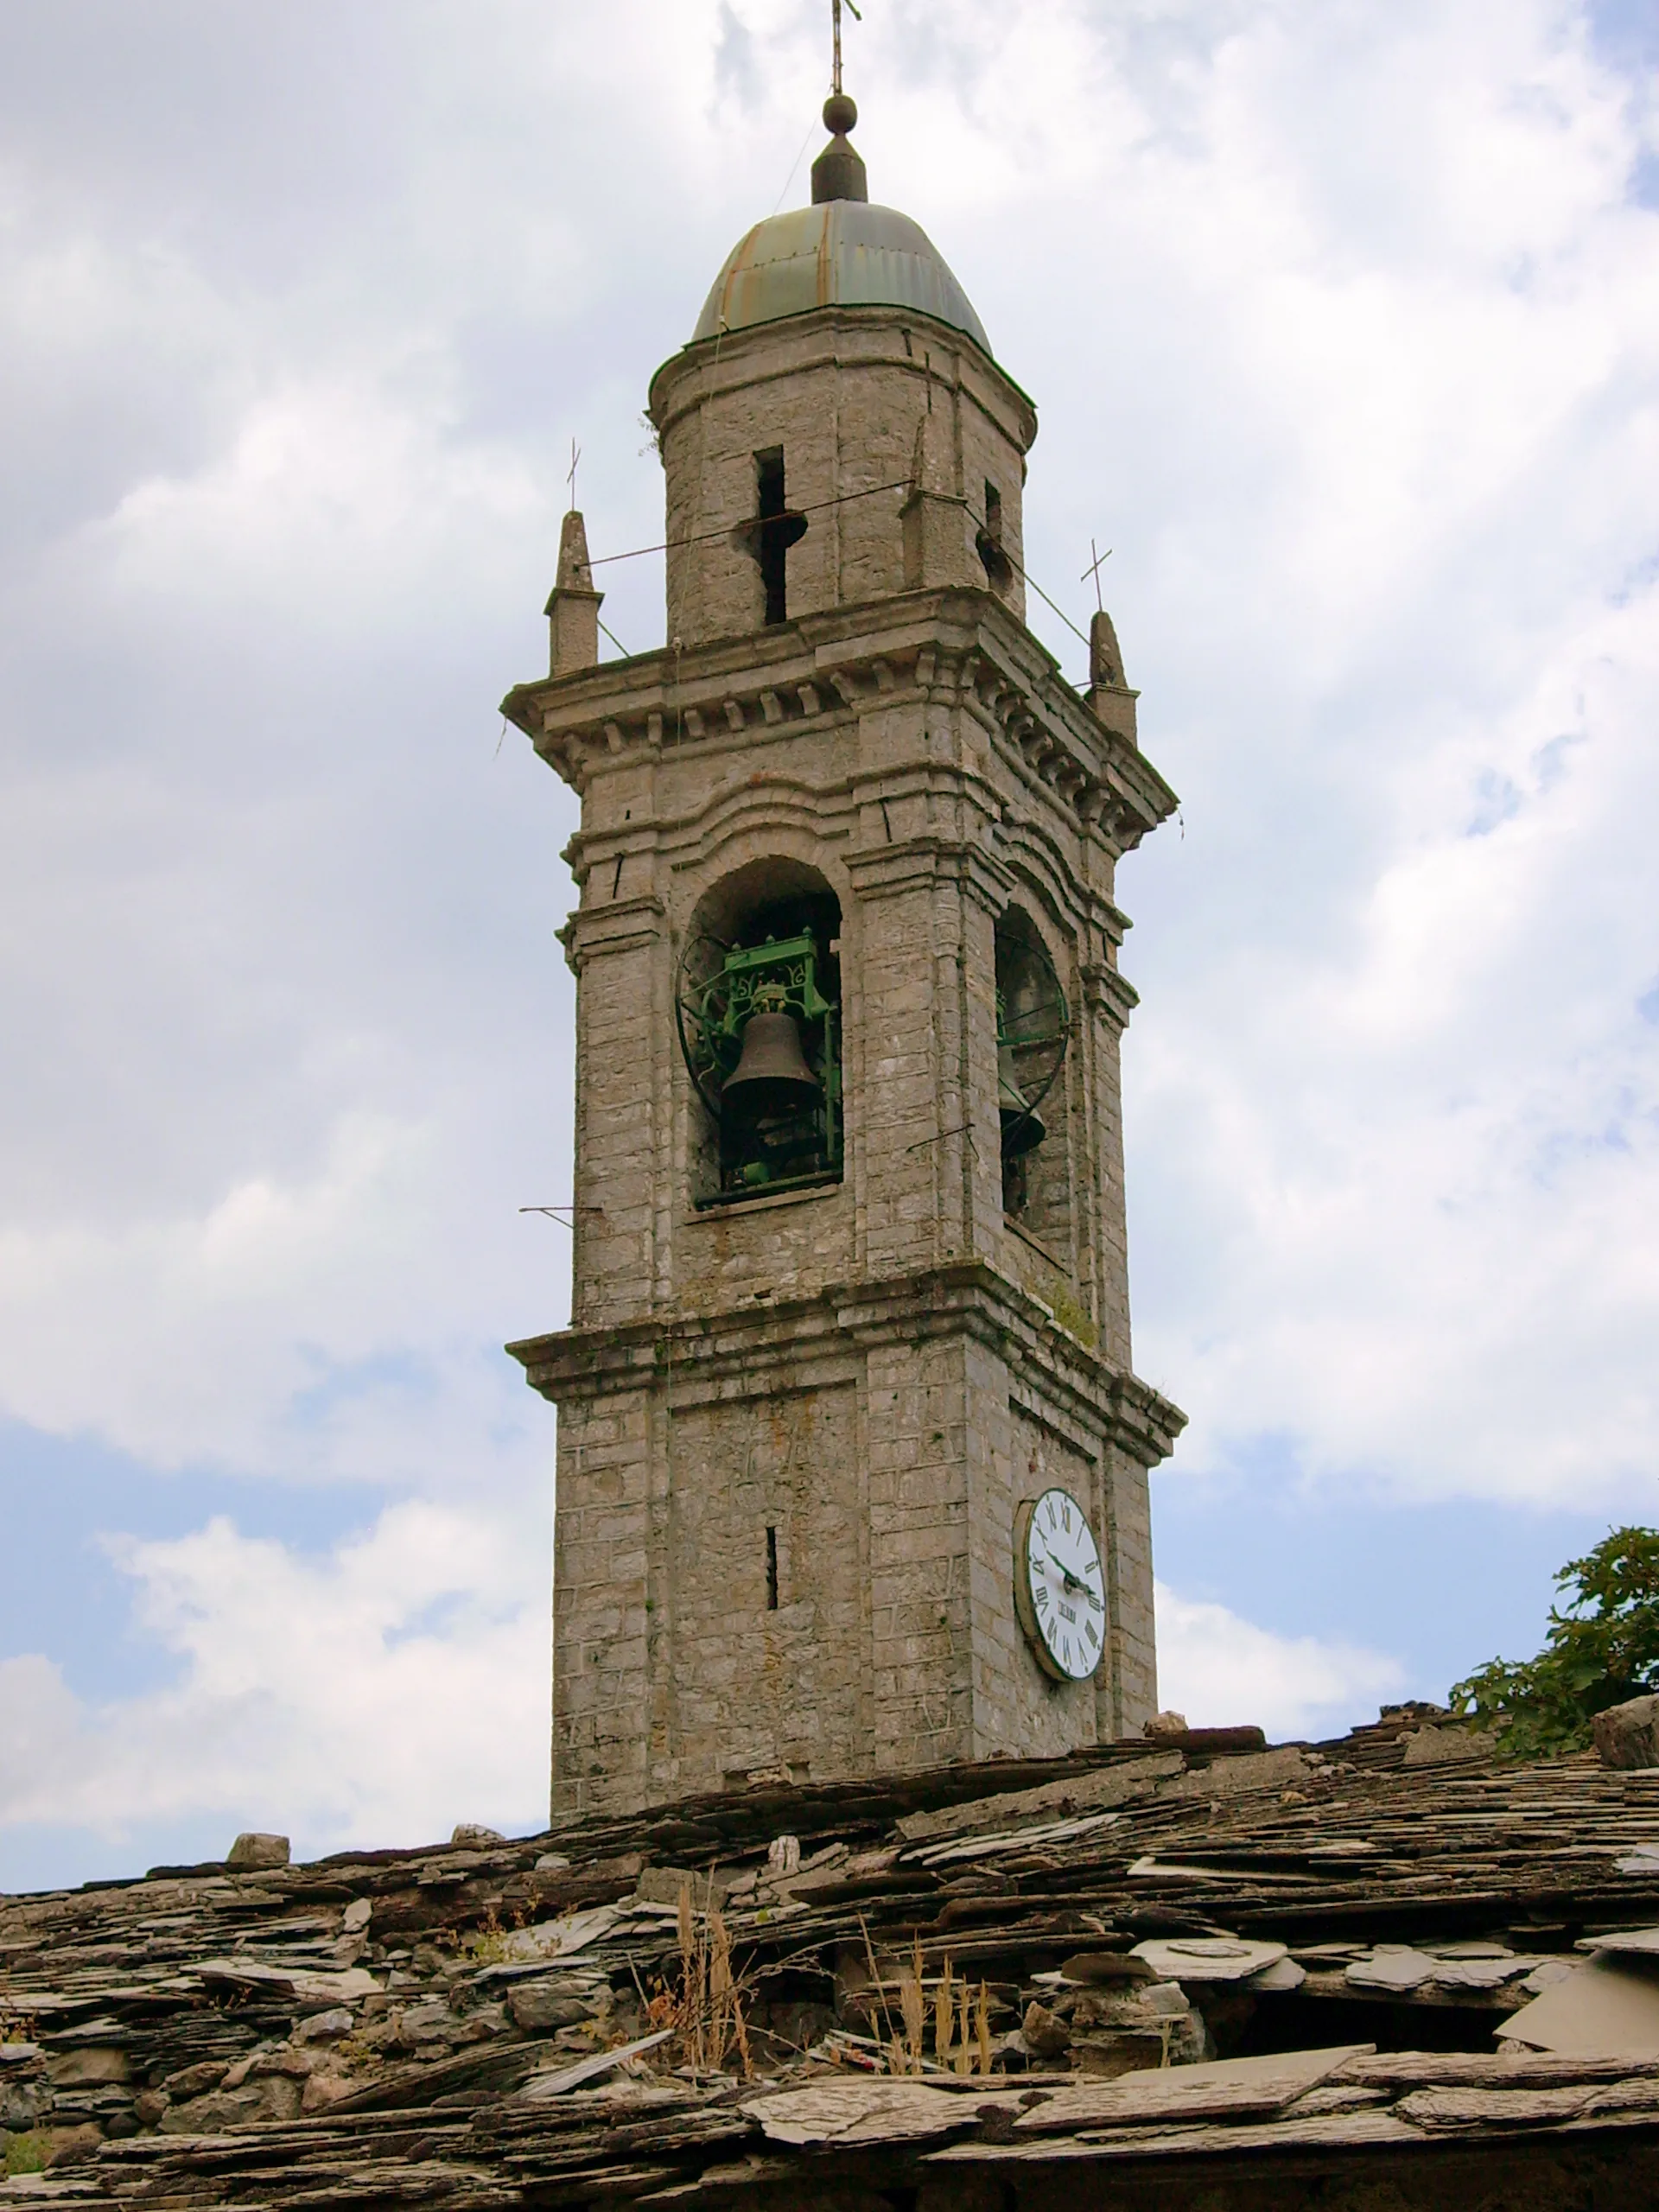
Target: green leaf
[(1602, 1647)]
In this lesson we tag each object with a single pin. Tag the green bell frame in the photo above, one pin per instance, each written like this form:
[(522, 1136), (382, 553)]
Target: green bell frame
[(721, 989), (1034, 1040)]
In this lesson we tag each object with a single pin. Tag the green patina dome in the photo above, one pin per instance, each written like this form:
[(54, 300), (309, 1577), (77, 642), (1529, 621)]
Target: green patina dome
[(841, 253)]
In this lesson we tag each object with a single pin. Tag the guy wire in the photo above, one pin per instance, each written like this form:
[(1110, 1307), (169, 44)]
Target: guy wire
[(817, 506)]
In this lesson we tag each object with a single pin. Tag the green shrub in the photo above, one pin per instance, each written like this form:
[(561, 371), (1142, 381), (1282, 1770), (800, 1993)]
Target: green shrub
[(25, 2154), (1603, 1647)]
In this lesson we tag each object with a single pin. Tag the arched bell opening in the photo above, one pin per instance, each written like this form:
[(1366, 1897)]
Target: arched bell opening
[(759, 1008), (1033, 1027)]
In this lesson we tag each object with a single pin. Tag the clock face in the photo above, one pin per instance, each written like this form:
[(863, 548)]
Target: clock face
[(1060, 1586)]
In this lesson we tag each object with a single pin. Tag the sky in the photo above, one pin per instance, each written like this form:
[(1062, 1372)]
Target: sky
[(1342, 321)]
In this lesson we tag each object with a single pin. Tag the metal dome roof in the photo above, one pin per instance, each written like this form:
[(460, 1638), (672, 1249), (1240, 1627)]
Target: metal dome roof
[(843, 253)]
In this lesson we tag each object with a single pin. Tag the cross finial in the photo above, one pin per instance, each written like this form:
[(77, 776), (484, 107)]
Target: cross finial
[(570, 473), (1093, 569), (835, 18)]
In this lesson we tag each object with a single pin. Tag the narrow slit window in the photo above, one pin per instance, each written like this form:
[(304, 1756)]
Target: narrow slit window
[(776, 529), (998, 567), (771, 1570)]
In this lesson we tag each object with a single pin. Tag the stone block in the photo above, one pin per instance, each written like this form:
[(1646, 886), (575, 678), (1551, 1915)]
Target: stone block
[(252, 1852), (20, 2104), (324, 2088), (1627, 1736), (67, 2067), (1439, 1746), (69, 2146), (273, 2097), (472, 1835), (540, 2006)]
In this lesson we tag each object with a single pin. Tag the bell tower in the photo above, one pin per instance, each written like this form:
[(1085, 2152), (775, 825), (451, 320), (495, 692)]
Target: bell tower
[(852, 1463)]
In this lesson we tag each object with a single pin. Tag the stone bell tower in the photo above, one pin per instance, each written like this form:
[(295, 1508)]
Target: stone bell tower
[(850, 1276)]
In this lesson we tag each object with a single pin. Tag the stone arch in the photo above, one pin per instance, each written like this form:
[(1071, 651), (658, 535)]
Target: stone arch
[(1034, 1071), (763, 941)]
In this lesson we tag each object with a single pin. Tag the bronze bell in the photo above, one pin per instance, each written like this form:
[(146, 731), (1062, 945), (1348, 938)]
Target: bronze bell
[(772, 1076), (1022, 1125)]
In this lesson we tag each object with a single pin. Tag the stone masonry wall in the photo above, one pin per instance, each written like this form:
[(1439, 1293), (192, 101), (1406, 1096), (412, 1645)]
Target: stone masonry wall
[(1127, 1688), (609, 1694), (763, 1688), (921, 1609), (888, 1450), (844, 396), (892, 806)]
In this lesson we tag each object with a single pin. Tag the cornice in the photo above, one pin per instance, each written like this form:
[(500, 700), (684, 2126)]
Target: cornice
[(874, 870), (1110, 992), (739, 1352), (793, 345), (611, 926), (960, 648)]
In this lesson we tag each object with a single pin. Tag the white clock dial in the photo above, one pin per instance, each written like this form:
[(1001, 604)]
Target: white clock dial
[(1060, 1586)]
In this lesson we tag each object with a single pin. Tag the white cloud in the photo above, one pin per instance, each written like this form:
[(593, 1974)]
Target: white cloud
[(381, 1692), (1345, 328), (336, 498), (304, 1330), (1223, 1672), (385, 1689), (1422, 1149)]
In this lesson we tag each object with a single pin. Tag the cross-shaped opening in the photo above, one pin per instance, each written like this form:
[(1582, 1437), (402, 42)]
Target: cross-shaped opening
[(775, 530)]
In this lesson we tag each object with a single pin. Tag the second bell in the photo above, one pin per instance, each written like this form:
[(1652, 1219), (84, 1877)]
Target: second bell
[(1022, 1125)]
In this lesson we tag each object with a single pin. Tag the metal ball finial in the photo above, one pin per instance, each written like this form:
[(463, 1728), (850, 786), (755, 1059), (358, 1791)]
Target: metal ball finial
[(838, 173)]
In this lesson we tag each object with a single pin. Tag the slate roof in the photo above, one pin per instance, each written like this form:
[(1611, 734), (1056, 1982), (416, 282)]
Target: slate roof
[(506, 2024)]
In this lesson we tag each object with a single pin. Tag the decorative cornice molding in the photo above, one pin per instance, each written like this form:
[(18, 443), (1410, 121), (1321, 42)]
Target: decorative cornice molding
[(741, 1352), (1110, 993), (611, 926), (962, 648)]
